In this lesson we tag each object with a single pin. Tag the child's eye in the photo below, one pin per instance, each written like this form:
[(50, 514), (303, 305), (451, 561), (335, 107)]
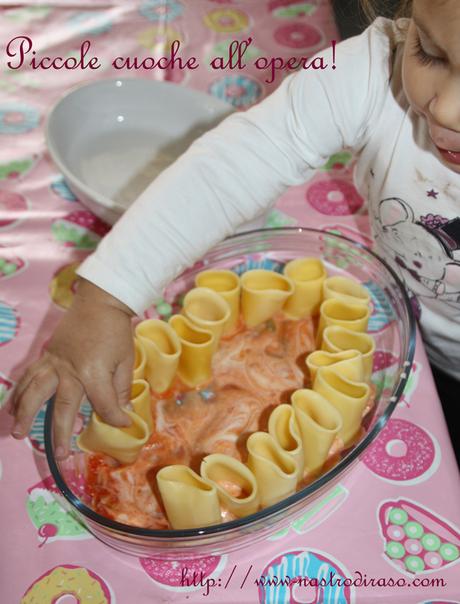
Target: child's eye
[(424, 57)]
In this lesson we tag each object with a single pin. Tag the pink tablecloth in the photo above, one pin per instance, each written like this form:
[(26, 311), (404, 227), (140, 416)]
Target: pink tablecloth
[(410, 467)]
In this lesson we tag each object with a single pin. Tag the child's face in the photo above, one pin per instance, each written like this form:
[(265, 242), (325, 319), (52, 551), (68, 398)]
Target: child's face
[(431, 73)]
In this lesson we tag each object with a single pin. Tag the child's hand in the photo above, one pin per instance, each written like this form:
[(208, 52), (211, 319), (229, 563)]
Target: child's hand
[(91, 352)]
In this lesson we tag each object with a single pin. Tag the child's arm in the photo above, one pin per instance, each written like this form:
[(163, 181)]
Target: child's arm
[(226, 178)]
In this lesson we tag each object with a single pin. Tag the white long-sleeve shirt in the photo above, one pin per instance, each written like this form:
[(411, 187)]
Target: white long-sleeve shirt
[(239, 169)]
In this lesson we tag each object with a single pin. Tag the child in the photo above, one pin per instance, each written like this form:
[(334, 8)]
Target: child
[(394, 99)]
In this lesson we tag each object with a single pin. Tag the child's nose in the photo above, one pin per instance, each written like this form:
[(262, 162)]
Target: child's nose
[(445, 105)]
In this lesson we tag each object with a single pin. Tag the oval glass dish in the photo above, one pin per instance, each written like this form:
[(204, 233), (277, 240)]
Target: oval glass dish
[(391, 324)]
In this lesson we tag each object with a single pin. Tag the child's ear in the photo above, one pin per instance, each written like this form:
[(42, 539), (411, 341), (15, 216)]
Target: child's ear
[(394, 211)]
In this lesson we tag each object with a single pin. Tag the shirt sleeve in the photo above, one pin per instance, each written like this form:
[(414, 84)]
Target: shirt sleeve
[(239, 169)]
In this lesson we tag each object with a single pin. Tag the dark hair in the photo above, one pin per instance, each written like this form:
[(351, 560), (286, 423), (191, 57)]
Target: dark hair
[(372, 8)]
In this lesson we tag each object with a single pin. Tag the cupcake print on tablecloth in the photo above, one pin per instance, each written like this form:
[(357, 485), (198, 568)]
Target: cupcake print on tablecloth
[(18, 119), (298, 564), (52, 521), (13, 209), (416, 540), (238, 90), (16, 169), (36, 436), (181, 575), (9, 323), (10, 264), (403, 453), (61, 581), (334, 197), (60, 187), (80, 229)]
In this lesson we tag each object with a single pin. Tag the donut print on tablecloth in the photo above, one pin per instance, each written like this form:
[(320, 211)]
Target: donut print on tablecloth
[(222, 50), (9, 323), (403, 453), (65, 580), (6, 389), (159, 37), (301, 36), (62, 286), (173, 575), (304, 564), (18, 119), (13, 208), (334, 197), (227, 20), (241, 91), (80, 229), (416, 540), (161, 10), (49, 517)]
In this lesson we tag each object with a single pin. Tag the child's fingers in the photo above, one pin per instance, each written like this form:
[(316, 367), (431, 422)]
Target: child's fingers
[(39, 389), (66, 404), (32, 373), (103, 397), (122, 381)]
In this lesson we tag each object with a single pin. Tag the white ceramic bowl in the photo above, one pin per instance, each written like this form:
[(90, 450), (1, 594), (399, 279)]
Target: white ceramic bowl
[(111, 138)]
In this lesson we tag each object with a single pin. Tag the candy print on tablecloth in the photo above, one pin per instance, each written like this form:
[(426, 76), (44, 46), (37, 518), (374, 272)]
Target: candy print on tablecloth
[(76, 582), (10, 265), (316, 514), (52, 521), (60, 187), (403, 453), (299, 36), (227, 20), (304, 564), (62, 286), (241, 91), (9, 323), (334, 197), (16, 169), (18, 119), (6, 389), (161, 10), (416, 540), (36, 436), (291, 9), (181, 575), (92, 23), (12, 209), (80, 229)]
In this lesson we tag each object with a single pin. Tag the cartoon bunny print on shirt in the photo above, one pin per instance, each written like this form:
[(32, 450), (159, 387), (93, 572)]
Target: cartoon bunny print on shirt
[(423, 250)]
